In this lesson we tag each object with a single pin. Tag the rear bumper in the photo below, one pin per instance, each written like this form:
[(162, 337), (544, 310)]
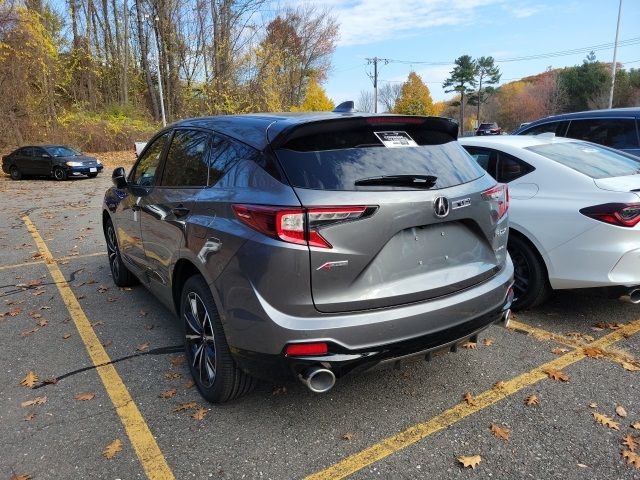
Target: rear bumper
[(342, 361)]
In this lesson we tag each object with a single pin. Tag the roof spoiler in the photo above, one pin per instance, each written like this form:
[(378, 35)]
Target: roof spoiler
[(435, 130)]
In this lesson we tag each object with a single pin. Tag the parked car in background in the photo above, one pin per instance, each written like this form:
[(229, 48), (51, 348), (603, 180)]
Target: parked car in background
[(310, 245), (489, 129), (617, 127), (574, 213), (57, 161)]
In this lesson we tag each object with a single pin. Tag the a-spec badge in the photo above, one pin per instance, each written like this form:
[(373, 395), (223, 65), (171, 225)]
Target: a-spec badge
[(330, 265), (441, 207)]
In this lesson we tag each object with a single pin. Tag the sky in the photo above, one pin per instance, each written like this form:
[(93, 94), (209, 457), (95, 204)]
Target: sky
[(439, 31)]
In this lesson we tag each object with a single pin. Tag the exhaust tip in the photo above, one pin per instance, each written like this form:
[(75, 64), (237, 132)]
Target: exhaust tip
[(506, 318), (318, 380), (632, 296)]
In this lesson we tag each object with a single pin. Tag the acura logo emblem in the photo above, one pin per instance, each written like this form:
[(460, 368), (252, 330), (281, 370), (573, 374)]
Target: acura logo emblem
[(441, 207)]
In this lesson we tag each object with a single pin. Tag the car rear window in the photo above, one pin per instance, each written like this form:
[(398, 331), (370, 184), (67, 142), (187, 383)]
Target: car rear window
[(339, 169), (589, 159)]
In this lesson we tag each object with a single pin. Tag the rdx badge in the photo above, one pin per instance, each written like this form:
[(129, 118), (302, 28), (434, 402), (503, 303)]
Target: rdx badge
[(330, 265)]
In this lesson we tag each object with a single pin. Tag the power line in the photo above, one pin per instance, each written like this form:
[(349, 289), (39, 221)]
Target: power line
[(560, 53), (374, 77)]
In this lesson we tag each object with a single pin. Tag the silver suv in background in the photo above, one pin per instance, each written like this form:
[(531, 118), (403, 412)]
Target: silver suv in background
[(308, 246)]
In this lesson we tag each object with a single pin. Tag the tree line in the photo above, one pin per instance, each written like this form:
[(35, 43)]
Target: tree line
[(98, 66)]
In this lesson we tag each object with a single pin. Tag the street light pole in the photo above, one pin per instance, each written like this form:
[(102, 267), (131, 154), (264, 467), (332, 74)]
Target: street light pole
[(164, 118), (615, 51)]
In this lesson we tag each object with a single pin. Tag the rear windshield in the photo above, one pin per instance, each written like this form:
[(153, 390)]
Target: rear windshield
[(339, 169), (589, 159)]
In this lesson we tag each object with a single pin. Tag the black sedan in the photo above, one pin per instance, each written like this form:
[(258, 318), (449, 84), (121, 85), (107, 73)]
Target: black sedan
[(57, 161)]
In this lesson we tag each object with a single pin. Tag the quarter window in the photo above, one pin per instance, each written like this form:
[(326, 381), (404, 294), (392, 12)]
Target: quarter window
[(511, 168), (559, 128), (612, 132), (225, 153), (186, 164), (144, 172)]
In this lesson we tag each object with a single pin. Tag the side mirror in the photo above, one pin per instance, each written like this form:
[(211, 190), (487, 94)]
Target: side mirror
[(119, 178)]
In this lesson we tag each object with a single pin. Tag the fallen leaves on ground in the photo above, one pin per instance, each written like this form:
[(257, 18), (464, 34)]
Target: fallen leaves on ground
[(470, 399), (635, 426), (593, 405), (112, 449), (66, 335), (487, 342), (500, 432), (630, 442), (532, 401), (471, 461), (469, 345), (30, 332), (620, 411), (177, 361), (631, 367), (21, 476), (172, 375), (606, 421), (593, 352), (29, 380), (559, 350), (35, 401), (84, 396), (347, 436), (610, 326), (30, 417), (185, 406), (189, 384), (199, 414), (143, 347), (631, 458), (557, 375), (168, 393)]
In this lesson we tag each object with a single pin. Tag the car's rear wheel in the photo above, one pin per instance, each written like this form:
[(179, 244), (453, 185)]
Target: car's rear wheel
[(15, 173), (121, 275), (531, 284), (213, 369), (59, 173)]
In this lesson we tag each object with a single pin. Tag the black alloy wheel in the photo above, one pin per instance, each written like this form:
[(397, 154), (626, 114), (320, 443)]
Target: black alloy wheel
[(531, 284), (15, 173), (121, 275), (59, 173), (212, 366)]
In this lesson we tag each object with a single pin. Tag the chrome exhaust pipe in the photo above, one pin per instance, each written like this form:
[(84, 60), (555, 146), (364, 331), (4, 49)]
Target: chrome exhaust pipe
[(632, 296), (318, 379), (506, 318)]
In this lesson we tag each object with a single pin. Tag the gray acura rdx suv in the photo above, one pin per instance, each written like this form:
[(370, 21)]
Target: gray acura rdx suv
[(311, 245)]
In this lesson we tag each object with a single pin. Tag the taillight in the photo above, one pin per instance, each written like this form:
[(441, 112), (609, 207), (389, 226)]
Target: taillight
[(500, 195), (296, 225), (621, 214), (305, 349)]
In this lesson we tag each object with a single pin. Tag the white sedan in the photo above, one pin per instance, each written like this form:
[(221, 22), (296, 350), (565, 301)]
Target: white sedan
[(574, 213)]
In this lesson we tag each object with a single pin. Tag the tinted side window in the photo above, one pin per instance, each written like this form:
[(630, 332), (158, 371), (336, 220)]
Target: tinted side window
[(559, 128), (510, 168), (186, 164), (39, 152), (144, 173), (485, 157), (224, 154), (612, 132)]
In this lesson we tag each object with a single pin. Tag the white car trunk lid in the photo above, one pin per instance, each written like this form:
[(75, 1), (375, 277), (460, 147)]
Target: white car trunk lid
[(628, 183)]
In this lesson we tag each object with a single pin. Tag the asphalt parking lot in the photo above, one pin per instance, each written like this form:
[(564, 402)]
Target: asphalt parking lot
[(109, 368)]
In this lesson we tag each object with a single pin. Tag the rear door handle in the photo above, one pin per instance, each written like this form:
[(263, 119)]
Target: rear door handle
[(180, 211)]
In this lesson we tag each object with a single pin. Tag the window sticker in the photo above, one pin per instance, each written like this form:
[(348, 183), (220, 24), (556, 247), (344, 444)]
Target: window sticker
[(396, 139)]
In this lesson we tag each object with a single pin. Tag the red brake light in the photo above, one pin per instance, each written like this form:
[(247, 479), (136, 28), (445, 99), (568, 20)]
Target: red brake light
[(620, 214), (500, 195), (295, 225), (304, 349)]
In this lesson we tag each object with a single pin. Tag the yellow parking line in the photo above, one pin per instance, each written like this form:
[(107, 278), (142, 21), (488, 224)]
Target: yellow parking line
[(414, 434), (542, 334), (141, 438), (86, 255)]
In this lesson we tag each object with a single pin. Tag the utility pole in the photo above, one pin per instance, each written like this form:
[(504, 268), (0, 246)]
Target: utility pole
[(164, 118), (374, 77), (615, 51)]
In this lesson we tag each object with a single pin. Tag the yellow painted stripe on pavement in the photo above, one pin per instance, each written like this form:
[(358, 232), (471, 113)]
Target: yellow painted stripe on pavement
[(542, 334), (17, 265), (141, 438), (414, 434)]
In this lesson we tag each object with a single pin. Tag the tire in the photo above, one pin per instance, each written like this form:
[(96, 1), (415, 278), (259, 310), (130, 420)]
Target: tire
[(15, 173), (531, 282), (59, 174), (92, 175), (121, 275), (214, 371)]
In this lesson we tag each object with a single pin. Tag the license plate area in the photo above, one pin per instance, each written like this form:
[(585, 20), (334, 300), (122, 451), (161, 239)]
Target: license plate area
[(93, 169)]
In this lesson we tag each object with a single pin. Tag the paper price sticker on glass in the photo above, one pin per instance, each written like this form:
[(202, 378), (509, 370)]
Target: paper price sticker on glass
[(396, 139)]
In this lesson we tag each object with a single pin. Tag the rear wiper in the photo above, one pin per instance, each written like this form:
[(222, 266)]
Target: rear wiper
[(415, 181)]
